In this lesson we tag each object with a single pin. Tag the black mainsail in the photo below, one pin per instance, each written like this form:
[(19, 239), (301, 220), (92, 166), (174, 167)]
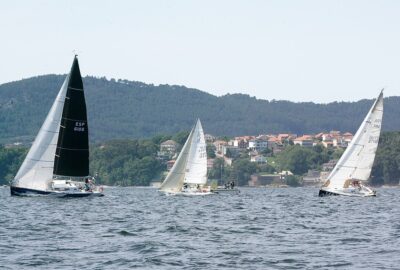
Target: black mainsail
[(72, 153)]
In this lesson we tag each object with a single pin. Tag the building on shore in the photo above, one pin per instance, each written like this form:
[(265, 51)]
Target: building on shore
[(305, 141), (258, 144), (312, 178)]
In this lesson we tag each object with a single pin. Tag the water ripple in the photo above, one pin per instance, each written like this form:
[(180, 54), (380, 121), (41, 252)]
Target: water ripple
[(257, 229)]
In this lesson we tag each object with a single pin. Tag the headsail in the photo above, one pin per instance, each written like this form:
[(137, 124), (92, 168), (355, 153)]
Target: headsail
[(176, 176), (72, 154), (356, 162), (36, 172)]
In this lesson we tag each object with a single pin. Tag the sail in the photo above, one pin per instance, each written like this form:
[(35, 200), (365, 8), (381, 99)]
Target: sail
[(176, 176), (196, 167), (36, 172), (72, 153), (356, 162)]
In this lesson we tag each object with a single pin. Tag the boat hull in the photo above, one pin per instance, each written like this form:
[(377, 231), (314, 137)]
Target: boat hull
[(325, 193), (195, 193), (185, 193), (26, 192)]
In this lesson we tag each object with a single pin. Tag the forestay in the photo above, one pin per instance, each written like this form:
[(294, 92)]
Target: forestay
[(356, 162)]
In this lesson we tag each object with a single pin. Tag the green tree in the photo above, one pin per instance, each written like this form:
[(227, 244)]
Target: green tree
[(216, 172), (296, 159), (386, 169), (210, 151), (181, 137), (10, 161), (243, 169), (292, 180)]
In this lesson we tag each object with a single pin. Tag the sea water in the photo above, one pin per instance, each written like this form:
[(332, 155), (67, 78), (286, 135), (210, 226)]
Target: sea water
[(260, 228)]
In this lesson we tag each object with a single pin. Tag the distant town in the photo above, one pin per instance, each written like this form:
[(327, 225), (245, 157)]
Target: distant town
[(261, 149)]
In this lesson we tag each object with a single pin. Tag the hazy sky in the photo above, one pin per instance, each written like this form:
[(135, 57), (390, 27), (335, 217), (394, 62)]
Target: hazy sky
[(294, 50)]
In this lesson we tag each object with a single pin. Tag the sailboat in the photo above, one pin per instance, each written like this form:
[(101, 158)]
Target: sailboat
[(58, 160), (188, 176), (355, 165)]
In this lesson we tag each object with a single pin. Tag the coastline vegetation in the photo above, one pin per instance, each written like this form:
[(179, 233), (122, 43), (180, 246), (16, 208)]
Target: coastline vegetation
[(135, 162)]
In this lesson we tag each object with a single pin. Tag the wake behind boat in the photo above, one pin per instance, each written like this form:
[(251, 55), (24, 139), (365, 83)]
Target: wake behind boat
[(188, 176), (58, 162), (355, 165)]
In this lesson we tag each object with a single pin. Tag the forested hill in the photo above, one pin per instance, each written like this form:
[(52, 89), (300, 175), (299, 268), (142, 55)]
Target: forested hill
[(125, 109)]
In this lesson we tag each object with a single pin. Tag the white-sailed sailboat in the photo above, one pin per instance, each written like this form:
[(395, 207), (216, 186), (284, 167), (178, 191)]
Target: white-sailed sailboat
[(355, 165), (188, 176), (58, 160)]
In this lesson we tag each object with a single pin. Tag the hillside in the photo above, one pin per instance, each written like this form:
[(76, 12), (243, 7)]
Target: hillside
[(125, 109)]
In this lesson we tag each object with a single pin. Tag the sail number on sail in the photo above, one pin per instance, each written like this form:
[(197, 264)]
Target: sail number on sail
[(202, 151), (373, 139), (377, 123), (79, 126)]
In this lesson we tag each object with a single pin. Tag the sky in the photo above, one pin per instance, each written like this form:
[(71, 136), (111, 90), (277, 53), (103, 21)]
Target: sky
[(311, 50)]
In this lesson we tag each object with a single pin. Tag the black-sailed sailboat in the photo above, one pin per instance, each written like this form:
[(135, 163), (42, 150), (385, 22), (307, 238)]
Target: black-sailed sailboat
[(58, 161)]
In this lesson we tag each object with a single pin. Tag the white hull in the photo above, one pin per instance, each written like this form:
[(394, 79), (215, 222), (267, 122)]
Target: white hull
[(190, 193)]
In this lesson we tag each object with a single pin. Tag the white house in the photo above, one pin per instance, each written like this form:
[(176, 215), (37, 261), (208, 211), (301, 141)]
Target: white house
[(258, 144), (169, 147), (258, 159)]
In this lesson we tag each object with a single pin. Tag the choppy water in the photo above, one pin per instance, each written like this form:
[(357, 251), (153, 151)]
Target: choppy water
[(257, 229)]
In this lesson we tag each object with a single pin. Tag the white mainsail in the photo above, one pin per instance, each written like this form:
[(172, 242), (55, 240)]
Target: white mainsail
[(191, 165), (196, 167), (356, 162), (36, 172)]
